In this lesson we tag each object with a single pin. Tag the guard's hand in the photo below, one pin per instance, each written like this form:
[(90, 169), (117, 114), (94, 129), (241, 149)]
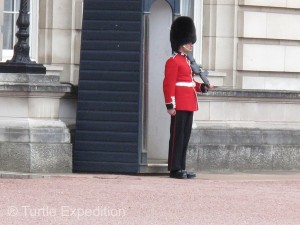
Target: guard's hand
[(204, 88), (210, 86), (172, 112)]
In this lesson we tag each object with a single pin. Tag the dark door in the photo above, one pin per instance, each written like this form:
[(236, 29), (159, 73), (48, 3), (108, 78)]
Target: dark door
[(108, 132)]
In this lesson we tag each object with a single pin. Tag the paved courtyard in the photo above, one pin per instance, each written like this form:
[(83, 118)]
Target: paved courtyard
[(122, 199)]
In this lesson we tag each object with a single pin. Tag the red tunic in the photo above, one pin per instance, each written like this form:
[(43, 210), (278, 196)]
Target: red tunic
[(179, 85)]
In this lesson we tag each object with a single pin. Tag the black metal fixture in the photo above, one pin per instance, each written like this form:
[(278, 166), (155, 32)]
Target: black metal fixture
[(21, 62), (21, 49)]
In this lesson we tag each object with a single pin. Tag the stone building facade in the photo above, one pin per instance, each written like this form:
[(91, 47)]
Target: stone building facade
[(251, 50)]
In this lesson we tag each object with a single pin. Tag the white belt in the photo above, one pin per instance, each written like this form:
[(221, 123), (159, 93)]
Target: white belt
[(186, 84)]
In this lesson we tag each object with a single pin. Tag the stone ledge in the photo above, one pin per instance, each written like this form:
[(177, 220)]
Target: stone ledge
[(28, 78), (242, 136), (18, 82), (247, 125), (35, 87), (246, 93)]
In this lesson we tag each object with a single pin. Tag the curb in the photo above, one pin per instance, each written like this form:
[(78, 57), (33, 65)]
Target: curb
[(242, 176), (19, 175)]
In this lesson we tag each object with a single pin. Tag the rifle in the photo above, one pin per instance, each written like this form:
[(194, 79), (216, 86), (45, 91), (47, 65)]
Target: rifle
[(198, 69)]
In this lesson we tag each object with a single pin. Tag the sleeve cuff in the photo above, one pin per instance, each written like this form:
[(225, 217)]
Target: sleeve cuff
[(170, 106), (202, 88)]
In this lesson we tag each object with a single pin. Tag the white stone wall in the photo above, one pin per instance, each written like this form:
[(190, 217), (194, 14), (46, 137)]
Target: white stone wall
[(219, 39), (269, 44), (254, 43), (245, 110), (272, 3), (60, 36)]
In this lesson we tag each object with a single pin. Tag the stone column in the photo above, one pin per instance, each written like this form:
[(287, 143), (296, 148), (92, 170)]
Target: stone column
[(1, 24)]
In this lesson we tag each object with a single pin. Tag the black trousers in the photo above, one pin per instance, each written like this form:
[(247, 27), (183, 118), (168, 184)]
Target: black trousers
[(180, 132)]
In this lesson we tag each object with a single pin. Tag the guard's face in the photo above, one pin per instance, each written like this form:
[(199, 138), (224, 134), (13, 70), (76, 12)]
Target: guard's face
[(186, 48)]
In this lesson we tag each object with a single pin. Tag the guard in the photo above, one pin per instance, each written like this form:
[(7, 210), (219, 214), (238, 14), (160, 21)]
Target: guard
[(180, 92)]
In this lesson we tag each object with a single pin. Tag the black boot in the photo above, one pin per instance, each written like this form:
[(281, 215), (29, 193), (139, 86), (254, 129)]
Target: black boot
[(190, 175), (179, 174)]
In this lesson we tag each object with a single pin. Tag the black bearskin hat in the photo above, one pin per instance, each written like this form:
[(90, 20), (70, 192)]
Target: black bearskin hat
[(182, 32)]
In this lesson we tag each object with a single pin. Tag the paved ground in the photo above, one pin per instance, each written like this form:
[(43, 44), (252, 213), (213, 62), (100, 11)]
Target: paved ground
[(121, 199)]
